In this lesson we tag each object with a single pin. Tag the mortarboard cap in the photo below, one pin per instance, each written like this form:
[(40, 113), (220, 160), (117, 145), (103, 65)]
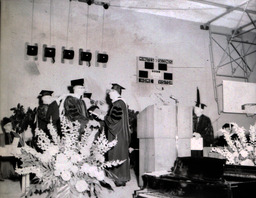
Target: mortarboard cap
[(227, 125), (45, 93), (198, 103), (201, 105), (117, 87), (77, 82), (88, 95)]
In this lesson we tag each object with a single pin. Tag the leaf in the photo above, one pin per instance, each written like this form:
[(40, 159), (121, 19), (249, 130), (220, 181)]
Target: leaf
[(106, 185)]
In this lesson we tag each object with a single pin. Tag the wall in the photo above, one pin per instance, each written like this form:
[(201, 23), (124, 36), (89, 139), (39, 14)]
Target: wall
[(127, 35)]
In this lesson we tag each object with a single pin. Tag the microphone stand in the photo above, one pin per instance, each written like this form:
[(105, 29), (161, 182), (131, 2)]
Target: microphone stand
[(176, 117)]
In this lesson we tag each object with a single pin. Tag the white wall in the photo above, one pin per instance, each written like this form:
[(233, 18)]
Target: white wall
[(127, 34)]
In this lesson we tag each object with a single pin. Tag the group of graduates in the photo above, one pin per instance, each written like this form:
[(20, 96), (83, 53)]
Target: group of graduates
[(77, 106)]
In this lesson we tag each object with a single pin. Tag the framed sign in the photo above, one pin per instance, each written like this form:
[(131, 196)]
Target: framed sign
[(154, 71)]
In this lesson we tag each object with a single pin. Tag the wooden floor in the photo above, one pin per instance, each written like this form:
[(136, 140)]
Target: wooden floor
[(12, 189)]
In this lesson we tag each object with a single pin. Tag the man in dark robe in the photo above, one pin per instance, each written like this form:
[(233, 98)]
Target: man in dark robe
[(74, 106), (202, 126), (221, 141), (117, 122), (45, 98), (53, 116)]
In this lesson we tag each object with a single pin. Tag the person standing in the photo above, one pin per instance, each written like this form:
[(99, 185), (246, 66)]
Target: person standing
[(53, 116), (117, 123), (8, 164), (202, 126), (73, 107), (45, 99), (220, 140)]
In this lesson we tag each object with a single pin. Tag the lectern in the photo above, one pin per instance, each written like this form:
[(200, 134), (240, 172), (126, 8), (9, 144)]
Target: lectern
[(164, 133)]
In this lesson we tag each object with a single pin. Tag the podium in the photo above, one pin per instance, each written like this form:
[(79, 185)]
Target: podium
[(164, 133)]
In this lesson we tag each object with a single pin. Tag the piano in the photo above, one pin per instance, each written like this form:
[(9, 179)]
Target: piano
[(200, 177)]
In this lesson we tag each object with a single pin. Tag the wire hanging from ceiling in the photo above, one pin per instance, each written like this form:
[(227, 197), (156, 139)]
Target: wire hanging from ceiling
[(87, 21), (69, 8), (32, 21), (50, 22), (102, 31)]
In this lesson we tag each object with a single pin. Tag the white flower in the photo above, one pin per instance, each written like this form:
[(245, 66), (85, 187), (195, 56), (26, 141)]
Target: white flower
[(99, 157), (46, 157), (249, 148), (57, 173), (81, 186), (235, 154), (65, 175), (69, 153), (63, 166), (61, 158), (100, 175), (92, 171), (53, 150), (85, 167), (247, 162), (74, 169), (244, 153), (112, 143), (85, 151), (76, 158)]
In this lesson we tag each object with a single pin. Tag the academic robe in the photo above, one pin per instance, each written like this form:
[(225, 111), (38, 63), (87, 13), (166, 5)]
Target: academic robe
[(203, 126), (41, 116), (53, 116), (117, 122), (75, 109)]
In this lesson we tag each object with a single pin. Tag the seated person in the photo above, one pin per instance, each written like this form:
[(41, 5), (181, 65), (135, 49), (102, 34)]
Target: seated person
[(8, 164), (220, 141)]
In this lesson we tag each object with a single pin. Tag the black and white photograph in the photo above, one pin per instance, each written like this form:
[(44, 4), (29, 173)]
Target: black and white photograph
[(128, 98)]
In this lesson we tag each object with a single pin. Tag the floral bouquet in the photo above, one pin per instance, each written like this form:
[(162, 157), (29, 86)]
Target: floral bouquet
[(242, 150), (68, 167), (22, 119)]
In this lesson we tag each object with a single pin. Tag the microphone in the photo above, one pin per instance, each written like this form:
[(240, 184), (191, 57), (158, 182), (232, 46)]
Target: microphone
[(175, 99)]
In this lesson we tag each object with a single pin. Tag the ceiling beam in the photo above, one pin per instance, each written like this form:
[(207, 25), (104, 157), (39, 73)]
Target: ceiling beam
[(223, 6), (248, 24)]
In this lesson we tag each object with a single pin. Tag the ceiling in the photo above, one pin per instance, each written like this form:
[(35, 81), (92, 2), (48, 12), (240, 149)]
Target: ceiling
[(210, 12)]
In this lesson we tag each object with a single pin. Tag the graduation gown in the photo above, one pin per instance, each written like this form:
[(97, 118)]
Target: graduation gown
[(53, 116), (117, 122), (203, 126), (41, 116), (75, 109)]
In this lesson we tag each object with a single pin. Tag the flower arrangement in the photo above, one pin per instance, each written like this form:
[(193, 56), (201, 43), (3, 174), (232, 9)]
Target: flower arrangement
[(68, 167), (21, 119), (242, 150)]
